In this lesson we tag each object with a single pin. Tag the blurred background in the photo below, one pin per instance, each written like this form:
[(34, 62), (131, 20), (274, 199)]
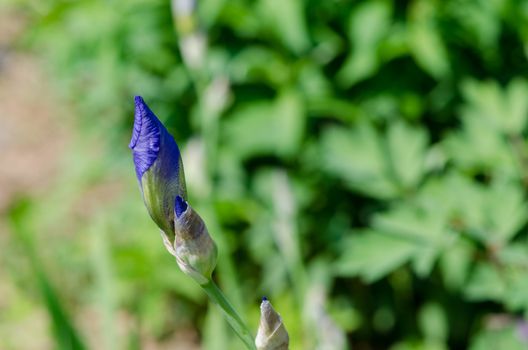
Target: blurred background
[(363, 164)]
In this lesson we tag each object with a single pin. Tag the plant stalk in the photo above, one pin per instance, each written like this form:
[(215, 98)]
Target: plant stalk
[(216, 296)]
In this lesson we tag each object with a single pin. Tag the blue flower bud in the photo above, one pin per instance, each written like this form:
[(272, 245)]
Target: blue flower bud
[(159, 170), (159, 167), (271, 334)]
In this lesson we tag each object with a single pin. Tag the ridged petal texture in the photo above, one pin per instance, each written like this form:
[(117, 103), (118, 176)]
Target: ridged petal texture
[(145, 142), (158, 165)]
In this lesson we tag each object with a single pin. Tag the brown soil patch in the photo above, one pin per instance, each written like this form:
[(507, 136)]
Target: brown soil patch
[(32, 138)]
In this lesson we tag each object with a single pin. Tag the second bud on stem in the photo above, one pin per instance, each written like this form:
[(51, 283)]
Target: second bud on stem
[(194, 249), (271, 334)]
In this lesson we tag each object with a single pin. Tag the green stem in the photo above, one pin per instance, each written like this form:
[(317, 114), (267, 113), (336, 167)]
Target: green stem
[(216, 296)]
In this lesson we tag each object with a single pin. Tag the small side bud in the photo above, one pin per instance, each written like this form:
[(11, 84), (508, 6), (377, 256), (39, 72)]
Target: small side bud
[(271, 334), (194, 249)]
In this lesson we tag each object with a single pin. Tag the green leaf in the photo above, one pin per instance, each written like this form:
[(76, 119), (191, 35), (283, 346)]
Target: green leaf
[(357, 157), (506, 281), (422, 226), (455, 263), (369, 164), (517, 102), (486, 283), (515, 254), (501, 338), (479, 146), (259, 64), (516, 298), (414, 223), (372, 255), (208, 11), (481, 23), (368, 25), (407, 146), (286, 20), (491, 214), (506, 210), (426, 43), (506, 109), (433, 322), (267, 127)]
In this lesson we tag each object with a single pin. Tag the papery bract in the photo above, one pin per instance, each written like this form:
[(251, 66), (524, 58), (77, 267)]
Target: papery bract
[(194, 249), (271, 334)]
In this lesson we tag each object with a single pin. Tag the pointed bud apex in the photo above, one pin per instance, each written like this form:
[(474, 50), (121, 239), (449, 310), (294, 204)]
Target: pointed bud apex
[(159, 168), (271, 334), (194, 249)]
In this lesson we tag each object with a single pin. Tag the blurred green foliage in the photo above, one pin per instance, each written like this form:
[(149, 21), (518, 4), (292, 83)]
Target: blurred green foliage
[(362, 163)]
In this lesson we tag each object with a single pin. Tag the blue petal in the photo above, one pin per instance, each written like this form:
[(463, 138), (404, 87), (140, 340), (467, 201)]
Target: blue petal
[(145, 142), (180, 205), (158, 167)]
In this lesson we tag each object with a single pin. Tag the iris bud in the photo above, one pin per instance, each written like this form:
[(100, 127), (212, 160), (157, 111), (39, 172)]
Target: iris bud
[(194, 249), (271, 334), (159, 167), (159, 170)]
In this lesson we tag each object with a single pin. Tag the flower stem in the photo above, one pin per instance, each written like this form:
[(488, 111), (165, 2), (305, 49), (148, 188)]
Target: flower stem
[(216, 296)]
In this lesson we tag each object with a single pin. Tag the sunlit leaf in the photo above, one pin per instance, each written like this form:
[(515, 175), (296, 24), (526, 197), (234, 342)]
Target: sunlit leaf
[(486, 283), (357, 156), (503, 338), (372, 255), (426, 43), (367, 26), (286, 20), (267, 128), (433, 322), (407, 147)]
